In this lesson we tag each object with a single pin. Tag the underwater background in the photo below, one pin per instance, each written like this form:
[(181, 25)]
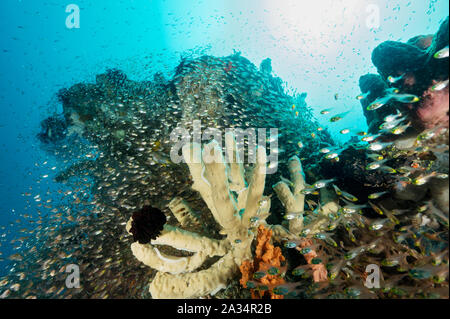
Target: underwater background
[(319, 47)]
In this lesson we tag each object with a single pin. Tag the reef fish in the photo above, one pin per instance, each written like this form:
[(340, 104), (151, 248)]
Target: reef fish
[(378, 146), (377, 195), (405, 98)]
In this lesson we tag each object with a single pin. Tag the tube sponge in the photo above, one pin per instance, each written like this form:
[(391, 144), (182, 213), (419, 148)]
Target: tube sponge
[(293, 200)]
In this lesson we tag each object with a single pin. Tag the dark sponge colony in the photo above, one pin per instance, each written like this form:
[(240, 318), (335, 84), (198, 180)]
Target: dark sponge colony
[(147, 224)]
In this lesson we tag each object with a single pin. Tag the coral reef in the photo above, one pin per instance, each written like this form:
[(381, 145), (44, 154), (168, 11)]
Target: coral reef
[(113, 159), (422, 73), (238, 207), (399, 174), (407, 70)]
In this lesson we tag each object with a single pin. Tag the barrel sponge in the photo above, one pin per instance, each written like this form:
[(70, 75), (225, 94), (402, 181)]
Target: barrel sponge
[(234, 204)]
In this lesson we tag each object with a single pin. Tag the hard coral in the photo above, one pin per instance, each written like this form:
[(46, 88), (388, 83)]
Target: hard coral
[(266, 257)]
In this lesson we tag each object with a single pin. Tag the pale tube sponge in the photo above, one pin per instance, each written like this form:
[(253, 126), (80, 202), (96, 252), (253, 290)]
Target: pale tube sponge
[(328, 205), (236, 169), (256, 188), (293, 200)]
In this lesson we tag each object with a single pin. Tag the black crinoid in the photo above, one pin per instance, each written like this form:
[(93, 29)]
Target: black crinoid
[(147, 224), (53, 129)]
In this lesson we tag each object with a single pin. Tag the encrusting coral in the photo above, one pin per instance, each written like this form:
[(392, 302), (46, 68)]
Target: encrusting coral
[(264, 269)]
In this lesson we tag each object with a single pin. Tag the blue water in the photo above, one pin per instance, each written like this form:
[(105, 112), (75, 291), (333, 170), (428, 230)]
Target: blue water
[(321, 47)]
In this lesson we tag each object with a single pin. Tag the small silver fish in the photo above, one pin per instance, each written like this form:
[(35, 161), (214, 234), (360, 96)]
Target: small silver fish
[(338, 117), (344, 194), (377, 225), (400, 129), (331, 155), (387, 169), (393, 117), (375, 165), (392, 91), (290, 245), (378, 146), (390, 125), (441, 54), (370, 138)]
